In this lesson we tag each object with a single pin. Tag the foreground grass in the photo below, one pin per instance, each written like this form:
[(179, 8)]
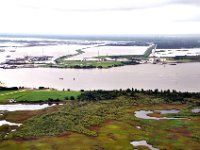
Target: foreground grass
[(108, 124), (37, 95)]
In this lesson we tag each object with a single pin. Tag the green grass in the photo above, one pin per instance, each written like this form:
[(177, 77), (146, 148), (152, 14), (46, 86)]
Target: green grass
[(6, 91), (94, 64), (38, 95)]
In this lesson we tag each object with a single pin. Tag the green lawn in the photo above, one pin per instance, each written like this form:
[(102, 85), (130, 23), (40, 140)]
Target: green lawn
[(6, 91), (95, 64), (37, 95)]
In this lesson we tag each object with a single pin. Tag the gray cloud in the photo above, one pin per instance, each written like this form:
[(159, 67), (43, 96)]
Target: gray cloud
[(128, 7), (186, 2), (124, 8), (195, 18), (134, 7)]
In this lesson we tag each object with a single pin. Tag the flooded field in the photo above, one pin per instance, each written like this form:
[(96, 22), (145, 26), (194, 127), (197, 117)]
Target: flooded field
[(55, 51), (110, 51)]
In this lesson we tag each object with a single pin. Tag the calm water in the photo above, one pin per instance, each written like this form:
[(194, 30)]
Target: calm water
[(4, 122), (21, 107), (182, 77), (196, 110), (143, 143), (143, 114)]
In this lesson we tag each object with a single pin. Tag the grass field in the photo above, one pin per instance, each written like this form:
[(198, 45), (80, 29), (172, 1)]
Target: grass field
[(6, 91), (108, 124), (89, 64), (36, 95)]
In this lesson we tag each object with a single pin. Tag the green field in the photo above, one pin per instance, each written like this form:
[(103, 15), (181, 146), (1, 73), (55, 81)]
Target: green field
[(36, 95), (89, 64), (6, 91), (104, 124)]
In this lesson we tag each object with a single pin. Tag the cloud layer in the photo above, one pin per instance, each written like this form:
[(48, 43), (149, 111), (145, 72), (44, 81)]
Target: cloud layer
[(100, 17)]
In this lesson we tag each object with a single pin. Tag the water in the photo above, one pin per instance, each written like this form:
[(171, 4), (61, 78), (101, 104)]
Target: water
[(177, 52), (143, 143), (55, 51), (109, 51), (182, 77), (143, 114), (196, 110), (170, 111), (4, 122), (21, 107)]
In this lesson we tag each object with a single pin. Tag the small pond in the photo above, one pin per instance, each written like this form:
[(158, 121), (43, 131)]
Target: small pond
[(21, 107), (143, 143), (4, 122), (143, 114), (196, 110)]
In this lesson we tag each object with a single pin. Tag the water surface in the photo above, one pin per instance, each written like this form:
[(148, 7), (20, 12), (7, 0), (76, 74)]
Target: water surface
[(4, 122), (181, 77), (143, 143), (196, 110), (143, 114), (21, 107)]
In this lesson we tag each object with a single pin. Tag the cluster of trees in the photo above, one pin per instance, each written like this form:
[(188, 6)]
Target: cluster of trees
[(8, 88), (167, 95), (98, 95), (194, 58)]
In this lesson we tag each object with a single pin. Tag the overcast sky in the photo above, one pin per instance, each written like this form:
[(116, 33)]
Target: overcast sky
[(100, 16)]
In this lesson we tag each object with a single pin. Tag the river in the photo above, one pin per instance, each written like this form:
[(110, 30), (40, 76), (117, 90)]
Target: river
[(181, 77)]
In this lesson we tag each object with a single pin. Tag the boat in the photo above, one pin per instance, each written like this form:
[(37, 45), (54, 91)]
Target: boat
[(172, 64), (61, 78), (12, 51)]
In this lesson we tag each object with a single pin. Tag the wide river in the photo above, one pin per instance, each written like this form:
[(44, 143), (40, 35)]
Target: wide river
[(181, 77)]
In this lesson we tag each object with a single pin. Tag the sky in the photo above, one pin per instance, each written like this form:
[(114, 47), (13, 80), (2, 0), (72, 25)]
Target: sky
[(100, 17)]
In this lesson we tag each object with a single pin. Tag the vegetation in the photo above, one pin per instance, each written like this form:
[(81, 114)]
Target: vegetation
[(38, 95), (63, 58), (186, 59), (105, 120), (88, 64)]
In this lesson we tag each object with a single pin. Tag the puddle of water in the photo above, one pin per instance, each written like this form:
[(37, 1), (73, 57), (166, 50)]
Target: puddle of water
[(143, 114), (138, 127), (4, 122), (13, 130), (143, 143), (21, 107), (196, 110), (170, 111)]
